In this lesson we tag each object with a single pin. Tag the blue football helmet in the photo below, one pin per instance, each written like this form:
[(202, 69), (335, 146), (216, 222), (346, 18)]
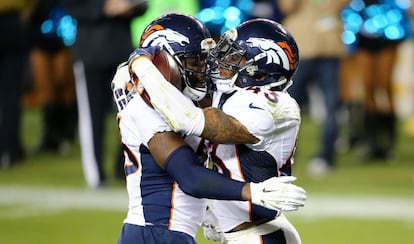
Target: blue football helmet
[(189, 42), (259, 52)]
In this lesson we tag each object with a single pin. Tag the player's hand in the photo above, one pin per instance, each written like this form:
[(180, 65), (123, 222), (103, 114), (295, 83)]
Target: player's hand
[(278, 193), (119, 85), (211, 229)]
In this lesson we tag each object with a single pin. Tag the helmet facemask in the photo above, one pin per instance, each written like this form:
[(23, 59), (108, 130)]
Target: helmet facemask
[(225, 62), (188, 41), (194, 65)]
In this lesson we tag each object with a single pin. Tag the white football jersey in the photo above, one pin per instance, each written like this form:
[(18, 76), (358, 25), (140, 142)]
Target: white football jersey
[(274, 118), (154, 198)]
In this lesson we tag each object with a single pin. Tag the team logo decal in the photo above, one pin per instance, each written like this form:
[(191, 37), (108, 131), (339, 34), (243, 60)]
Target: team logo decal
[(158, 36), (279, 53)]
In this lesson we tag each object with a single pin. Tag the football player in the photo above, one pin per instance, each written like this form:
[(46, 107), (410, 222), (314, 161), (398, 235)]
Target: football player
[(165, 179), (252, 68)]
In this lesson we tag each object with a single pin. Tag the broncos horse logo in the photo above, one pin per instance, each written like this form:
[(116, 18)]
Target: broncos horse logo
[(275, 52), (158, 36)]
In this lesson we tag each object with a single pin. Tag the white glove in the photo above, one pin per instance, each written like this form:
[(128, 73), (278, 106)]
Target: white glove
[(177, 110), (119, 85), (278, 193), (211, 229)]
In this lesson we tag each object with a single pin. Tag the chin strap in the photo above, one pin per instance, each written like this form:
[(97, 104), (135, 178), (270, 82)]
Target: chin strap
[(225, 85), (195, 94)]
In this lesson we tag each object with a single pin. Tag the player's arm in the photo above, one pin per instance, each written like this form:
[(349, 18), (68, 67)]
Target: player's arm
[(179, 160), (122, 83), (182, 115), (222, 128), (172, 154)]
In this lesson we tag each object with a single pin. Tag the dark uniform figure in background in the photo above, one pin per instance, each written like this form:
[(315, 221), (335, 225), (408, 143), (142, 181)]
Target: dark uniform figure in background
[(103, 41), (51, 33), (376, 51), (13, 60)]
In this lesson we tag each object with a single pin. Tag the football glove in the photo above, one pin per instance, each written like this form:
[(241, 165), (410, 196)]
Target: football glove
[(211, 229), (278, 193), (177, 110), (119, 85)]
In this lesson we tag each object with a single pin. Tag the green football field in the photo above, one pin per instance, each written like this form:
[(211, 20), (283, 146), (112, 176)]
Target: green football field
[(44, 199)]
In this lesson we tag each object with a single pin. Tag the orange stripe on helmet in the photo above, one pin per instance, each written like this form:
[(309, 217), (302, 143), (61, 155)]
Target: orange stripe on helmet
[(148, 32), (289, 53)]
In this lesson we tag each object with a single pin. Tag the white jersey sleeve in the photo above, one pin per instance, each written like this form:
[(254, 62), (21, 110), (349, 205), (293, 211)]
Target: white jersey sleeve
[(148, 125), (273, 117), (154, 198), (246, 110)]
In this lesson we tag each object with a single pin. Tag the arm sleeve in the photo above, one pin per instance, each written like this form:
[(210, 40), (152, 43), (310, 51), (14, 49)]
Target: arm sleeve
[(182, 165)]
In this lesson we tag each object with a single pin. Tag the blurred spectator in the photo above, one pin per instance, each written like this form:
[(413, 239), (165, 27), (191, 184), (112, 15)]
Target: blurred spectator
[(51, 32), (382, 26), (103, 41), (220, 16), (317, 29), (13, 60), (267, 9), (409, 127), (157, 8), (351, 94)]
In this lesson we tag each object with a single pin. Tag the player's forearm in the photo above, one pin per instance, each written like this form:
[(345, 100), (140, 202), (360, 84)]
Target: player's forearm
[(163, 144), (182, 115), (182, 165), (246, 194), (276, 193), (222, 128)]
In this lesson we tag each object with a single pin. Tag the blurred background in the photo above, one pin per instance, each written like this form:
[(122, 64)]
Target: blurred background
[(355, 86)]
